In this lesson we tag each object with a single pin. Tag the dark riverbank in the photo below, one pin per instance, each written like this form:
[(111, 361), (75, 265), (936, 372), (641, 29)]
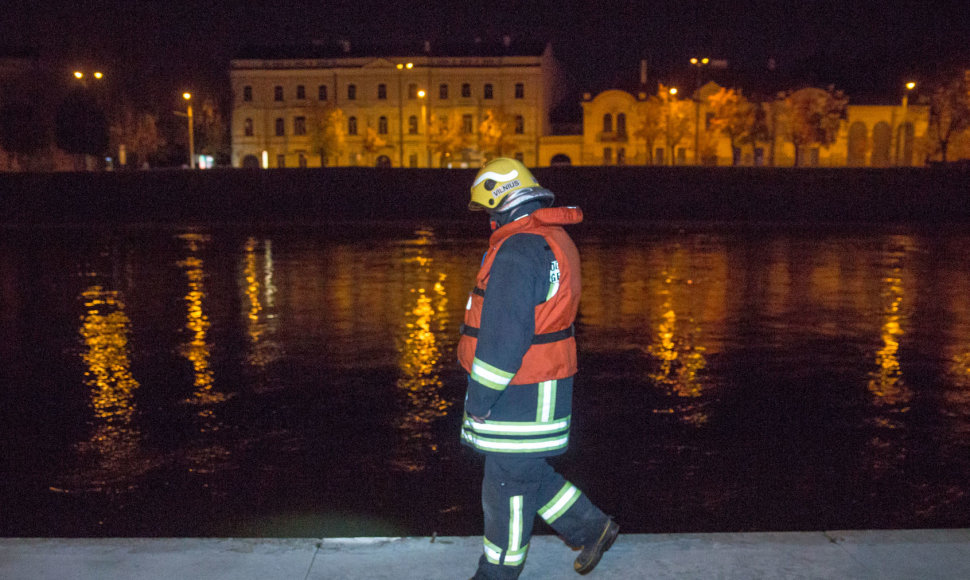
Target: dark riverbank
[(636, 193)]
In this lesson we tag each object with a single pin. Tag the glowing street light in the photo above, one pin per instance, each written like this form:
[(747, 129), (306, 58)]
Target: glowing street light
[(902, 123), (673, 90), (188, 97), (401, 66)]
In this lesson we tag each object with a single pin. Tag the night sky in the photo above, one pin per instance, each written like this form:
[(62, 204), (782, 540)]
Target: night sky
[(865, 48)]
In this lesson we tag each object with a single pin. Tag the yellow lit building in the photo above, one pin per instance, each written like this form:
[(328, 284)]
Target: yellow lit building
[(870, 136), (344, 106)]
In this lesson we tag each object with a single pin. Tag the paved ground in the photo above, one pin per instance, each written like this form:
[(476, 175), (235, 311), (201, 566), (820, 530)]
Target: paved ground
[(883, 555)]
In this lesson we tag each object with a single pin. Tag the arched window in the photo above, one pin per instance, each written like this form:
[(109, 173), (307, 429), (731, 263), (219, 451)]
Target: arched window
[(248, 127), (607, 123), (858, 144), (881, 139), (519, 124), (412, 125), (621, 124), (382, 125), (561, 159), (352, 126)]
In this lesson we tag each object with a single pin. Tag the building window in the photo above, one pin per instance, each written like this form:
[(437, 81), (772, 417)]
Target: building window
[(278, 93), (607, 123), (302, 160), (322, 93), (352, 125), (443, 91), (413, 160), (281, 160), (412, 91), (607, 155), (519, 156), (382, 125), (382, 91), (413, 125), (248, 127), (280, 127), (299, 126), (519, 124), (466, 90), (351, 92), (300, 92), (519, 90), (621, 125), (466, 124), (248, 93), (488, 91)]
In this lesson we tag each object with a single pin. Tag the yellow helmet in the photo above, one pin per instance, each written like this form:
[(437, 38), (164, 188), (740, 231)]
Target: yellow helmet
[(504, 183)]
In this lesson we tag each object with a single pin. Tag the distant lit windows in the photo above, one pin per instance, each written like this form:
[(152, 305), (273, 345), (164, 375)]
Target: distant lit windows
[(620, 126), (488, 92), (519, 90), (248, 94), (443, 91), (299, 125), (412, 125), (382, 125), (322, 93), (278, 93), (412, 91), (352, 126), (382, 91), (466, 124), (351, 92), (607, 155), (280, 127), (300, 92), (607, 123), (519, 124), (248, 127), (466, 90)]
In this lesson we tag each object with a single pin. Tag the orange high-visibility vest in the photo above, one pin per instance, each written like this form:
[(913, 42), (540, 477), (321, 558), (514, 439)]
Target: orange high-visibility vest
[(552, 354)]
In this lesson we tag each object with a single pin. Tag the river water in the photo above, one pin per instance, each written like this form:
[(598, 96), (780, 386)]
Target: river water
[(301, 381)]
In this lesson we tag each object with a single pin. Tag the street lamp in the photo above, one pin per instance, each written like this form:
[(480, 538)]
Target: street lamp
[(899, 137), (697, 106), (188, 97), (401, 66), (670, 105)]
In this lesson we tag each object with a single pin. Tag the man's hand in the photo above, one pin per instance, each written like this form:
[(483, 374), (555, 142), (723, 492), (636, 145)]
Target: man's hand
[(480, 419)]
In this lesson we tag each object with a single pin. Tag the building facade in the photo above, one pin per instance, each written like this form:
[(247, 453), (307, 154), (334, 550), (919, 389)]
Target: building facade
[(869, 136), (411, 109)]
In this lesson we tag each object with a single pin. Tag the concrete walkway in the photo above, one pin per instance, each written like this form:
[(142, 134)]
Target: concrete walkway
[(883, 555)]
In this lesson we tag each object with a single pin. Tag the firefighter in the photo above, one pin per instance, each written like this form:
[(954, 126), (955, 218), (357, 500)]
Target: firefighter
[(518, 348)]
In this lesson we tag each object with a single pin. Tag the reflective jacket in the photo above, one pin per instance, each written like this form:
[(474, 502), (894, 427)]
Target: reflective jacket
[(529, 401)]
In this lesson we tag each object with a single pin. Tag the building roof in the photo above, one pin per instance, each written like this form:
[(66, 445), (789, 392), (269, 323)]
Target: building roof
[(348, 49)]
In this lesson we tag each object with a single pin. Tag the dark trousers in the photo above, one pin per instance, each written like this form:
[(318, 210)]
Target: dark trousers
[(516, 489)]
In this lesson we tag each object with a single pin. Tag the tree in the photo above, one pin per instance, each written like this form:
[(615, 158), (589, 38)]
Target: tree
[(496, 134), (734, 117), (138, 132), (949, 115), (814, 117), (677, 123), (81, 126), (650, 116), (372, 144), (23, 130), (327, 132), (212, 131), (447, 137)]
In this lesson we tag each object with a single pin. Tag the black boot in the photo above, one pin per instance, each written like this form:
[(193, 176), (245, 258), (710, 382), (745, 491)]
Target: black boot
[(591, 554)]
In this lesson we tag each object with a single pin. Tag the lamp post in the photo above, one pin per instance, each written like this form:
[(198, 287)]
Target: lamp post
[(902, 122), (670, 105), (702, 62), (188, 97), (400, 108)]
